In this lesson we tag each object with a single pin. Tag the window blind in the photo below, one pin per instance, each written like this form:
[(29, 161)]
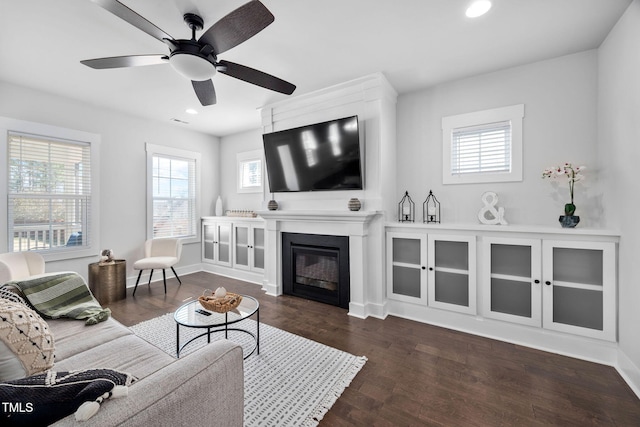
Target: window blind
[(49, 193), (174, 197), (482, 148), (251, 174)]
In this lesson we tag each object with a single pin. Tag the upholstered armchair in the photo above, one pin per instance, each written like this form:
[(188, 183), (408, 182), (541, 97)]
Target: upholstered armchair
[(159, 253), (20, 265)]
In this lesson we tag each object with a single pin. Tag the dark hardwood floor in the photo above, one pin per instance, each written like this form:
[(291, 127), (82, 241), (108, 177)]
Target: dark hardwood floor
[(419, 374)]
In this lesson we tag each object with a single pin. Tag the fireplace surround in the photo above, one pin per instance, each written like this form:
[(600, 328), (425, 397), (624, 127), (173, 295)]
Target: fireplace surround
[(365, 296)]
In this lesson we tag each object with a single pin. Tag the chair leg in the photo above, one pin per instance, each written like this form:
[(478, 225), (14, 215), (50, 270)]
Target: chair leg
[(176, 274), (164, 279), (137, 281), (149, 283)]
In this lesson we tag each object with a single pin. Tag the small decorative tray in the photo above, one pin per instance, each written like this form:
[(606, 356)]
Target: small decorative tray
[(220, 305)]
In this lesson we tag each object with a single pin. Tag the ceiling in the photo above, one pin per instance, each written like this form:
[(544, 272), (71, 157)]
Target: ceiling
[(312, 43)]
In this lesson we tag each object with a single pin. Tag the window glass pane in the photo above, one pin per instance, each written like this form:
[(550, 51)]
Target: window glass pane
[(251, 174), (49, 190), (174, 212), (179, 169), (483, 148)]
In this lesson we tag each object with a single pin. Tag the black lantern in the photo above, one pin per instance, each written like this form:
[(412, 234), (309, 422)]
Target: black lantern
[(406, 209), (431, 209)]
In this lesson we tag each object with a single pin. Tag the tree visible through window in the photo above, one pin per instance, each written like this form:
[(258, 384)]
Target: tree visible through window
[(49, 193), (173, 197), (173, 193)]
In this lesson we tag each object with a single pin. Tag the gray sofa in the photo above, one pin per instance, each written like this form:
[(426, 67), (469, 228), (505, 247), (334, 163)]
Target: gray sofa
[(202, 388), (205, 387)]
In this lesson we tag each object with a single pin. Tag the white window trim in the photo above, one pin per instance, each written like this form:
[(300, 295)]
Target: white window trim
[(514, 114), (249, 156), (161, 150), (20, 126)]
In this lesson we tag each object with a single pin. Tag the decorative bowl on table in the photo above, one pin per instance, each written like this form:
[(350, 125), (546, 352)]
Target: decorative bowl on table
[(220, 302)]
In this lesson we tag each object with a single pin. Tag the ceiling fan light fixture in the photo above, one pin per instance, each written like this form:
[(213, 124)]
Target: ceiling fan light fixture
[(478, 8), (193, 67)]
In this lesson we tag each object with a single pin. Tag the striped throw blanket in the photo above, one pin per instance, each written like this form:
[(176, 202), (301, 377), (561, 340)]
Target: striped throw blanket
[(62, 295)]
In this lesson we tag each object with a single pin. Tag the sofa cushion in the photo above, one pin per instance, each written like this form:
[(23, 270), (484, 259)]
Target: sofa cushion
[(128, 353), (105, 345), (27, 343), (74, 337)]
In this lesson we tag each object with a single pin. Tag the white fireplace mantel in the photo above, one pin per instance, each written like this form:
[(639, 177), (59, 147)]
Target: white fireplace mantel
[(354, 224), (322, 216)]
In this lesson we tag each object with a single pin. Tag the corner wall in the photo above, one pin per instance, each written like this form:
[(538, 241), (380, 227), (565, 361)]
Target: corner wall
[(560, 99), (619, 151), (122, 189)]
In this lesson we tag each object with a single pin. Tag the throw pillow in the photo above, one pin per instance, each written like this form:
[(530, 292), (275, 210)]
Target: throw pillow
[(45, 398), (26, 344)]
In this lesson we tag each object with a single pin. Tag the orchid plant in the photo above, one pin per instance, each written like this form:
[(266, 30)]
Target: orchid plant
[(573, 174)]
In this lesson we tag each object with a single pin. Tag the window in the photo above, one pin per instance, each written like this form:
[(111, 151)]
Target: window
[(250, 172), (484, 146), (50, 190), (174, 193)]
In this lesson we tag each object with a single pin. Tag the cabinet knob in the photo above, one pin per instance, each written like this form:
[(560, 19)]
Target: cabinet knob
[(430, 268), (547, 283), (536, 281), (423, 267)]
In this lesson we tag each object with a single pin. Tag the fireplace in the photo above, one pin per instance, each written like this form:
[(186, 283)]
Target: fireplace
[(316, 267)]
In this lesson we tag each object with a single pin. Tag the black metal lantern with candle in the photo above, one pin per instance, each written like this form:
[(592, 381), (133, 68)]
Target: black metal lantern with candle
[(431, 209), (406, 209)]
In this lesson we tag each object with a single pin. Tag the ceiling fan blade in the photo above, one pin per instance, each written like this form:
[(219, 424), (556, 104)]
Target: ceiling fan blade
[(123, 12), (205, 92), (238, 26), (125, 61), (255, 77)]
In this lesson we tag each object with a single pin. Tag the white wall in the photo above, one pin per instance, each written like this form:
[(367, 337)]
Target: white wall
[(619, 135), (560, 98), (230, 146), (122, 189)]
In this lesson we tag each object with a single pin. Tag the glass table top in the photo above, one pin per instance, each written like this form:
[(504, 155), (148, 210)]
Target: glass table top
[(193, 315)]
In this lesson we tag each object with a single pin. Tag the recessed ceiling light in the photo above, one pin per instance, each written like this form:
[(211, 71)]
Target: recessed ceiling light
[(190, 111), (478, 8)]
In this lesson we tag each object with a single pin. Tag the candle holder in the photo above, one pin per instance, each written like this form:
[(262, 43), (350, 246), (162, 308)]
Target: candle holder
[(431, 209), (406, 209)]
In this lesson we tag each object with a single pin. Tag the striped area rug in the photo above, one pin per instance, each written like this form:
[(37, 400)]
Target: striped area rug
[(292, 382)]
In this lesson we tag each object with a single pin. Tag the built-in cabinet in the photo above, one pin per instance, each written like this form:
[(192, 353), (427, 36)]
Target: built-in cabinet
[(512, 288), (436, 270), (248, 247), (564, 283), (579, 292), (234, 242), (216, 242), (451, 281), (407, 267)]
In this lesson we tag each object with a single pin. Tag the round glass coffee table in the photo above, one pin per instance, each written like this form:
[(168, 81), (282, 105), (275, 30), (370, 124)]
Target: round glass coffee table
[(193, 315)]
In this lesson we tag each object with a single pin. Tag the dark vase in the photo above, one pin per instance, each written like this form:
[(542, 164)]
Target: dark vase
[(272, 205), (569, 221)]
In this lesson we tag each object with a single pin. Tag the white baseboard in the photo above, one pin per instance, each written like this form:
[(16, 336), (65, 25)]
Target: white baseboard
[(629, 372)]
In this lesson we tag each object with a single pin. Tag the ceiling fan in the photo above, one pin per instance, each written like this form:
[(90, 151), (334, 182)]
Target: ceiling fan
[(197, 59)]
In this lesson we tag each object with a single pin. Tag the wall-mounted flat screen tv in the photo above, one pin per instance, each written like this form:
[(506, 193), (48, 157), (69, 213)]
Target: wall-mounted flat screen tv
[(318, 157)]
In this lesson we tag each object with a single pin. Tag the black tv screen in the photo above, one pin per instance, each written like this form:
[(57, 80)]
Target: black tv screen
[(323, 156)]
